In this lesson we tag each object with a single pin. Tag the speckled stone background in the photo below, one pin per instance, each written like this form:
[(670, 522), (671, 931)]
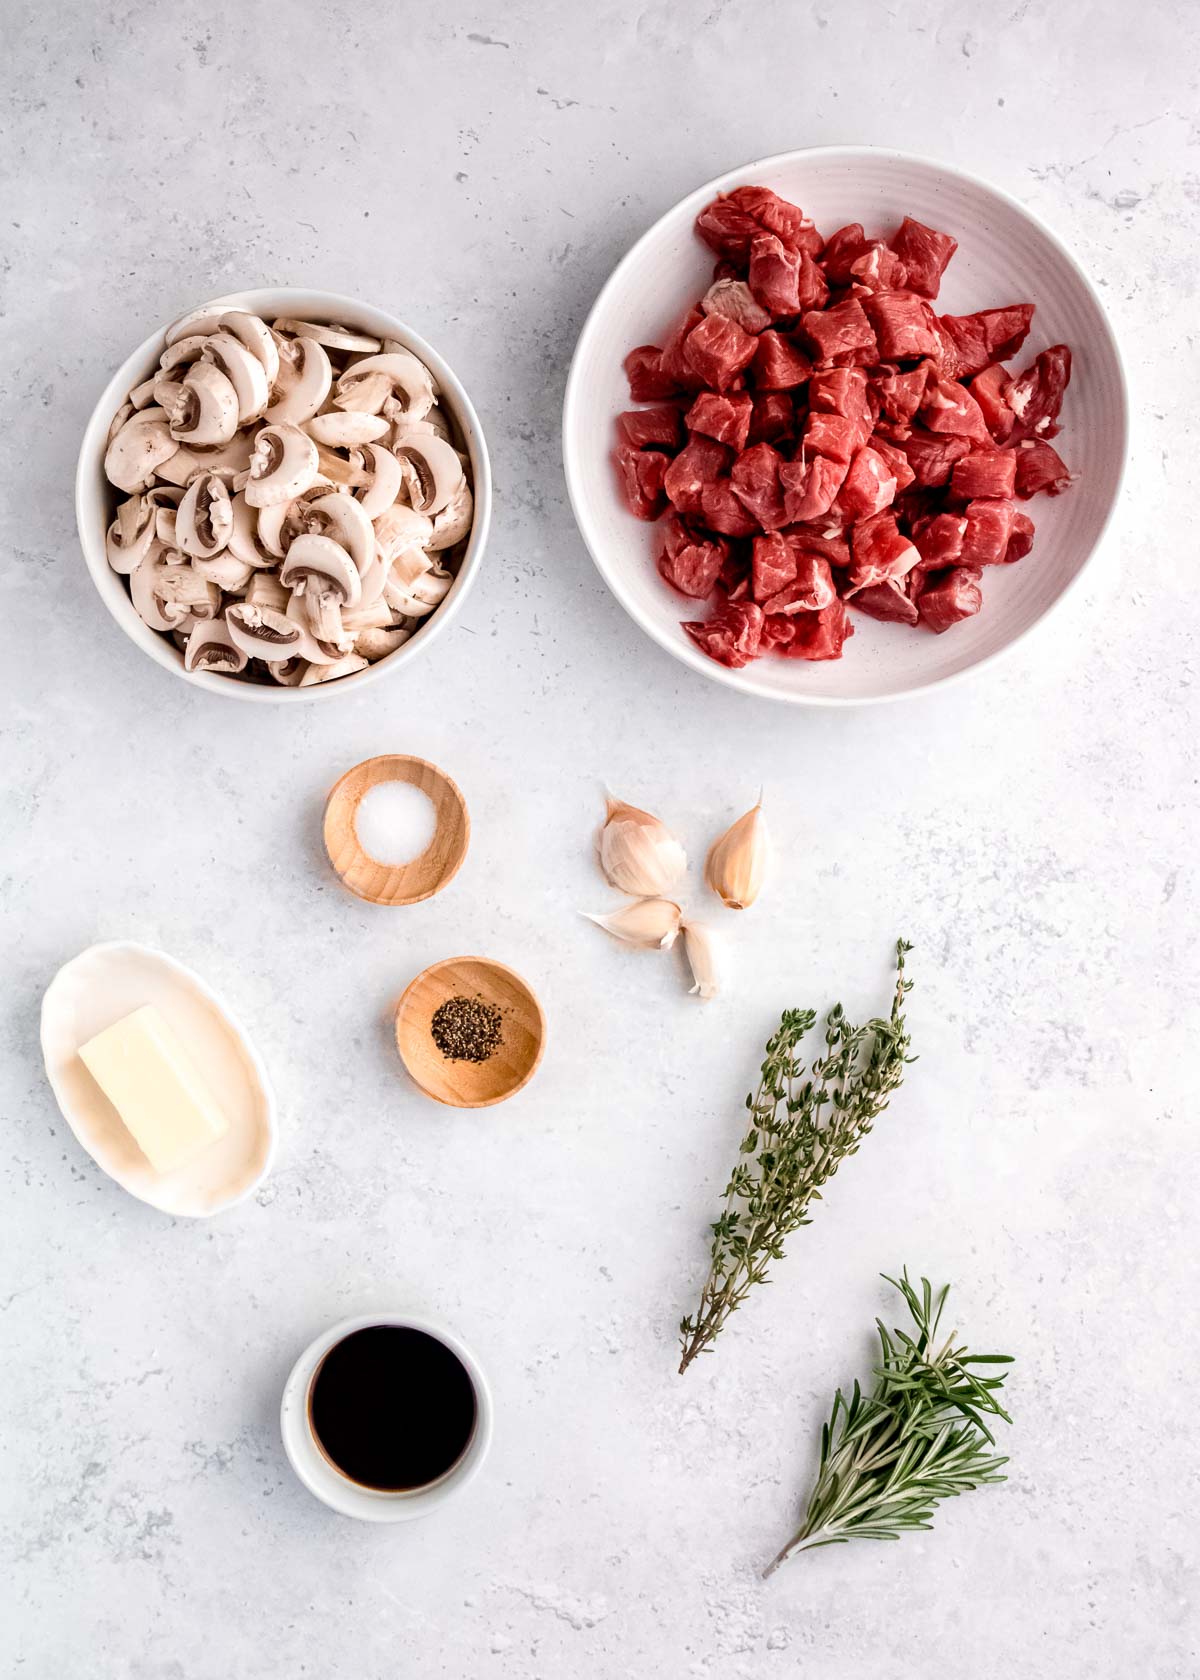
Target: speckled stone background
[(479, 170)]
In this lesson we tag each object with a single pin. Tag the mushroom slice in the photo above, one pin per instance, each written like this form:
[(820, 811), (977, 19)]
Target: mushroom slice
[(130, 535), (345, 667), (125, 412), (210, 647), (283, 465), (143, 395), (264, 633), (336, 468), (374, 578), (334, 336), (454, 521), (230, 574), (432, 471), (385, 477), (200, 321), (243, 370), (345, 431), (320, 570), (265, 590), (368, 615), (377, 643), (411, 382), (149, 597), (206, 411), (183, 352), (304, 381), (141, 446), (257, 336), (366, 396), (321, 650), (232, 457), (204, 522), (417, 599), (339, 516), (178, 583), (244, 543), (400, 527), (438, 424), (288, 673)]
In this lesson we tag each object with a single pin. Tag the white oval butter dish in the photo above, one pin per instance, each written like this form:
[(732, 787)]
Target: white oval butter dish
[(99, 987)]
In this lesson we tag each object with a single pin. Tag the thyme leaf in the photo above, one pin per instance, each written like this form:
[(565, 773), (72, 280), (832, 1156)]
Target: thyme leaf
[(802, 1124)]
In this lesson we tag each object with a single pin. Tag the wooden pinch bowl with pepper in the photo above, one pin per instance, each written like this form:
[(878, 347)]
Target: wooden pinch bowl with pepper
[(485, 1044)]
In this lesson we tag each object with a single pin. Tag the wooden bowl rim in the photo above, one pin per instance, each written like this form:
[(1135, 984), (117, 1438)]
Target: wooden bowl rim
[(339, 795)]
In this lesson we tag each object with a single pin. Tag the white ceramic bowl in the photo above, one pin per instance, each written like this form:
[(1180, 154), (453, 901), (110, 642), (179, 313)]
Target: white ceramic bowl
[(95, 498), (1005, 255), (337, 1491)]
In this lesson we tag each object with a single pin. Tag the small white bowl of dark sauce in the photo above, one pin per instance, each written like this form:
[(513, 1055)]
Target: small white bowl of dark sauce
[(386, 1416)]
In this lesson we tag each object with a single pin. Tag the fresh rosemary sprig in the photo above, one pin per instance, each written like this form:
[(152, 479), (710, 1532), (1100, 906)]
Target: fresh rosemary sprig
[(799, 1132), (890, 1457)]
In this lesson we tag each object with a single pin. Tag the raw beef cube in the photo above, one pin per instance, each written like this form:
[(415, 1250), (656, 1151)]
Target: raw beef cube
[(809, 487), (897, 462), (773, 420), (990, 390), (735, 300), (735, 573), (1037, 394), (842, 330), (950, 597), (675, 362), (732, 637), (841, 391), (984, 472), (756, 485), (903, 325), (900, 393), (773, 565), (939, 540), (1039, 467), (642, 472), (878, 269), (777, 632), (989, 527), (731, 221), (775, 275), (718, 351), (810, 590), (813, 288), (833, 435), (721, 510), (992, 335), (779, 365), (924, 253), (1021, 540), (834, 549), (726, 418), (648, 382), (651, 428), (915, 504), (841, 249), (931, 458), (950, 407), (888, 601), (867, 489), (820, 635), (688, 562), (699, 463), (879, 552)]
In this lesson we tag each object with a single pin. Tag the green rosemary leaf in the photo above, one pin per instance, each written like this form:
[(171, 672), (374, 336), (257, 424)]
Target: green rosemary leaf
[(889, 1458), (804, 1120)]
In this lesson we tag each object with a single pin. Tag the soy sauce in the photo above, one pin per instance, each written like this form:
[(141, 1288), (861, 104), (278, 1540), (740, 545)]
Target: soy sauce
[(392, 1408)]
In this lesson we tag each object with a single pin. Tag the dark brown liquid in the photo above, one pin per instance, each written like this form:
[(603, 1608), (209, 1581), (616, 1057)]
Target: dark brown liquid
[(392, 1408)]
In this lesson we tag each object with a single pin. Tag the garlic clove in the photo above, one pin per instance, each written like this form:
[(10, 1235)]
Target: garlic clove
[(638, 853), (700, 946), (737, 862), (650, 923)]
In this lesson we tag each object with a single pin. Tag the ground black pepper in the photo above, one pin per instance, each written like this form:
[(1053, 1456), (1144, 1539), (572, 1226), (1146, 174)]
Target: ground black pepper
[(467, 1029)]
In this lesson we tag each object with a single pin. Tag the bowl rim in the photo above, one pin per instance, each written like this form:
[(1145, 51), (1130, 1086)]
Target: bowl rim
[(572, 399), (338, 306)]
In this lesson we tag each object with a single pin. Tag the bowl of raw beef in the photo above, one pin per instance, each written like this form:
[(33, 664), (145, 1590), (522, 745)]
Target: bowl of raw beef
[(843, 425)]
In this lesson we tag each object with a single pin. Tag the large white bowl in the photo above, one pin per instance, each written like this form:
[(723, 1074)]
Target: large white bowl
[(95, 498), (1005, 255)]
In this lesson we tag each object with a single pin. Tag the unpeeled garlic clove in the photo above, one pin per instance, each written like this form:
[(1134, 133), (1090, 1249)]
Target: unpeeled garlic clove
[(700, 946), (651, 923), (638, 853), (737, 862)]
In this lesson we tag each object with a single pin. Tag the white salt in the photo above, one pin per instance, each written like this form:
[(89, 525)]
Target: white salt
[(395, 822)]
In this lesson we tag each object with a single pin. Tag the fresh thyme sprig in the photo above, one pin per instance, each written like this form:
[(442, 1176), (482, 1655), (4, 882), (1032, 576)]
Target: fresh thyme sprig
[(890, 1457), (799, 1132)]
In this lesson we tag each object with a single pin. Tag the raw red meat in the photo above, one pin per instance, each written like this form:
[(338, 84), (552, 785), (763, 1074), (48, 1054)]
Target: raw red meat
[(726, 418), (773, 419), (692, 564), (642, 472), (950, 407), (834, 435), (775, 275), (756, 485), (648, 382), (813, 287), (811, 590), (842, 330), (899, 393), (1021, 541), (924, 253), (735, 300), (868, 488), (992, 335), (888, 601), (809, 487), (897, 462), (788, 577), (674, 361), (697, 464), (878, 269), (984, 472), (939, 539), (718, 350), (721, 510), (903, 325), (950, 597), (1036, 396), (779, 365), (990, 390), (651, 428), (989, 527), (931, 458), (843, 248), (820, 635), (880, 551), (730, 222), (834, 549), (1039, 467), (841, 391), (732, 636), (773, 565)]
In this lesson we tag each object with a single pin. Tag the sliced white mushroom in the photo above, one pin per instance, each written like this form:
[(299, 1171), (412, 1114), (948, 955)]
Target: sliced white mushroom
[(437, 423), (138, 450), (244, 542), (411, 383), (243, 370), (230, 574), (204, 522), (337, 469), (400, 527), (346, 431), (206, 410), (433, 472), (344, 667), (383, 474), (264, 633), (334, 336), (232, 457), (178, 583), (181, 354), (257, 336), (143, 395), (417, 599), (125, 412), (376, 644), (366, 396), (339, 516), (374, 578), (368, 615), (210, 647), (288, 673), (206, 319), (265, 590), (131, 533), (454, 521), (304, 380), (149, 597), (321, 571), (283, 465)]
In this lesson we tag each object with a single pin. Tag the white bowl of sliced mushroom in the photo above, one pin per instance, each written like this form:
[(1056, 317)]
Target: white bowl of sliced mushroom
[(283, 495)]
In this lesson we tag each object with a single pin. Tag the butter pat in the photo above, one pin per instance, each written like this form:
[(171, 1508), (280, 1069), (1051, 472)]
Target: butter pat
[(144, 1071)]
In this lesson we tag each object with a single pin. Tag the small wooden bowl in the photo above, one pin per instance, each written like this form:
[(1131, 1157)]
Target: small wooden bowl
[(470, 1084), (396, 883)]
